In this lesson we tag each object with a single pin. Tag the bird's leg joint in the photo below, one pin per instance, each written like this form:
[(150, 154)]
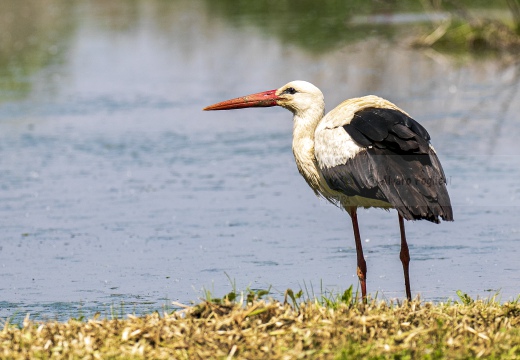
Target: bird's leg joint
[(404, 255), (362, 273)]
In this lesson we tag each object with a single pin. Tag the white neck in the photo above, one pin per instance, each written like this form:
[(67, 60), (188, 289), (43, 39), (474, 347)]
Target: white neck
[(305, 121), (304, 126)]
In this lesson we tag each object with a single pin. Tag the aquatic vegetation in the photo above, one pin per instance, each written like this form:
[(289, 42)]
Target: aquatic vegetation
[(465, 31)]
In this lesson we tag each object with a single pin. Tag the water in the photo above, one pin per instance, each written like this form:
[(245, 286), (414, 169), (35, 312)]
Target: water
[(118, 192)]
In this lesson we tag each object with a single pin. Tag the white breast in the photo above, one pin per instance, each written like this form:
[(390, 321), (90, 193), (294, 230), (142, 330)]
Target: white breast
[(334, 147)]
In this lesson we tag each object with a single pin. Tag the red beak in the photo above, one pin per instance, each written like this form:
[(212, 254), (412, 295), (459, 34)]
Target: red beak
[(261, 99)]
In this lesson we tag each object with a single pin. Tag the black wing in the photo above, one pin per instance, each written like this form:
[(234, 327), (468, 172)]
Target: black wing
[(396, 165)]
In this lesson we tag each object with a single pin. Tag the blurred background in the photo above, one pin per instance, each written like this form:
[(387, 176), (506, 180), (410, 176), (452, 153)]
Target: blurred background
[(117, 193)]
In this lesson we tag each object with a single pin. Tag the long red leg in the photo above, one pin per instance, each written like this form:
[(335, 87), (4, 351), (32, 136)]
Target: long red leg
[(404, 255), (361, 263)]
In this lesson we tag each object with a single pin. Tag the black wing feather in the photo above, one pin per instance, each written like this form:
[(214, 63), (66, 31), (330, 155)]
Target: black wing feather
[(402, 131), (377, 124), (397, 165), (371, 124), (358, 136)]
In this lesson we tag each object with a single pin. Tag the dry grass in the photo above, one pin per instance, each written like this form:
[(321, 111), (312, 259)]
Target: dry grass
[(273, 330)]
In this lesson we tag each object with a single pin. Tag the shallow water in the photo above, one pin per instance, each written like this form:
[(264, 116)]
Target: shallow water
[(118, 194)]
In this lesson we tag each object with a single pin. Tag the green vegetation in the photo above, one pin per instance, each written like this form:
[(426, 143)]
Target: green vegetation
[(245, 326), (464, 31), (328, 25)]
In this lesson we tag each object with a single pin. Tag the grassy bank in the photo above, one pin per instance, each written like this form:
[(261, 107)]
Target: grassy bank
[(270, 329), (463, 31)]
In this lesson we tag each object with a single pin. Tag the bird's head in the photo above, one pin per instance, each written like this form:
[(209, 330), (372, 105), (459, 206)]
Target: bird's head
[(297, 96)]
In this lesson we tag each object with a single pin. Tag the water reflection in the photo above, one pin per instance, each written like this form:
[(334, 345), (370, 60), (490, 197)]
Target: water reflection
[(115, 186)]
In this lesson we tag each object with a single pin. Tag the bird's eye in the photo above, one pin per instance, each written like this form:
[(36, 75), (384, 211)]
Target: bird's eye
[(290, 90)]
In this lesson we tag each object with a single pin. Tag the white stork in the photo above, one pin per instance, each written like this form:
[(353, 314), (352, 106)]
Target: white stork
[(364, 153)]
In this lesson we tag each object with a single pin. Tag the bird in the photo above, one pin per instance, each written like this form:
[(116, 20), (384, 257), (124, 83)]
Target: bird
[(365, 153)]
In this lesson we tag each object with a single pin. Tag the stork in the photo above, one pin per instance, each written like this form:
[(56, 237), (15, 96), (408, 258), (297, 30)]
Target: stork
[(365, 153)]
